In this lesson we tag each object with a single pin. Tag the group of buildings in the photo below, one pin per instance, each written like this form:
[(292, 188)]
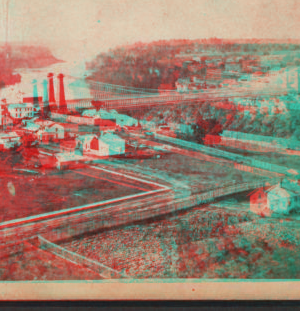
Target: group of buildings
[(41, 121), (212, 71)]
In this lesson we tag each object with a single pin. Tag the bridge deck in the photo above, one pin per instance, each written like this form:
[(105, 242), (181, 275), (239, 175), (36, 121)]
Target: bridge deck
[(173, 98)]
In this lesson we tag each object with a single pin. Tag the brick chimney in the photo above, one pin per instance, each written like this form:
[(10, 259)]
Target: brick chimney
[(62, 100), (51, 88), (45, 99), (35, 94)]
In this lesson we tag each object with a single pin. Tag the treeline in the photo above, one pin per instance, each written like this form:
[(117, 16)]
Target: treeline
[(208, 118), (7, 75), (154, 65)]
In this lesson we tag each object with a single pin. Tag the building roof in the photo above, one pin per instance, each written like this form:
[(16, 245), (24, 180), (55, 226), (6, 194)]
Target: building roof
[(86, 138), (276, 189), (21, 105), (69, 144), (32, 127), (9, 135), (44, 122), (283, 192), (111, 137), (64, 157)]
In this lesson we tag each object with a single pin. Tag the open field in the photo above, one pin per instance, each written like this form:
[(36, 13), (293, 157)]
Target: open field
[(284, 159), (152, 249), (195, 171), (26, 195), (204, 242), (287, 160)]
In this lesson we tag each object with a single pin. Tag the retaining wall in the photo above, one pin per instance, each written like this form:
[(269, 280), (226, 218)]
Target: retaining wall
[(230, 156), (280, 142)]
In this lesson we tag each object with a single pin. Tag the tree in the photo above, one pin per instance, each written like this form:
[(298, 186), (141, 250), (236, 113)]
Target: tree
[(204, 127)]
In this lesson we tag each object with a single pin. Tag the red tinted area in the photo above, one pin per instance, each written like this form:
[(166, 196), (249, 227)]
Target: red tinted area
[(28, 195), (36, 264)]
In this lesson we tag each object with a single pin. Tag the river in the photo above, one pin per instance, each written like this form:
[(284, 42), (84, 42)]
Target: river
[(73, 88)]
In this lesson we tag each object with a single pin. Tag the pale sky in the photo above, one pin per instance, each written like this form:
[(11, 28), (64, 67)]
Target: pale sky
[(82, 28)]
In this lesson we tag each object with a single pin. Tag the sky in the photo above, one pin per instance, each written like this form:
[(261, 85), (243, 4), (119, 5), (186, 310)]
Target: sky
[(83, 28)]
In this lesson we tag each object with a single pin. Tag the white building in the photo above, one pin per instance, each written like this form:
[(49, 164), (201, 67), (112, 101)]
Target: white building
[(9, 140), (55, 130), (92, 144), (67, 160), (5, 119), (31, 128), (124, 120), (181, 87), (116, 144), (103, 114), (274, 199), (20, 111)]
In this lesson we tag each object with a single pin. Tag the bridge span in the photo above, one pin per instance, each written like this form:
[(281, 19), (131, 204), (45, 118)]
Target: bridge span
[(171, 98), (84, 93)]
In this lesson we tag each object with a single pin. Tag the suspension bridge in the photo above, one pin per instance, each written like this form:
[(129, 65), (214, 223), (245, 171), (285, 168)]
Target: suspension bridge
[(78, 93), (82, 93)]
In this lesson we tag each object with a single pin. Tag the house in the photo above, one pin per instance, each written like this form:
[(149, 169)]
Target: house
[(5, 119), (20, 111), (71, 147), (116, 144), (26, 121), (214, 74), (273, 199), (44, 136), (31, 128), (85, 120), (232, 66), (105, 124), (9, 140), (89, 113), (57, 130), (124, 120), (69, 127), (181, 87), (103, 114), (93, 144), (50, 128), (68, 160)]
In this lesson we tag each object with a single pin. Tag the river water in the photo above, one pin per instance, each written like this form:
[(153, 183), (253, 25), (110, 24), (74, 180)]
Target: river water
[(73, 88)]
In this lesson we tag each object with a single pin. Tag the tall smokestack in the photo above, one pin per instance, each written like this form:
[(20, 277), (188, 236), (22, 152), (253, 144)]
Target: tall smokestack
[(62, 100), (45, 99), (35, 94), (51, 88)]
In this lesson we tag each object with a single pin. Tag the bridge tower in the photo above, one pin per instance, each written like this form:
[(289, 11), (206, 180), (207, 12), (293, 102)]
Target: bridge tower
[(62, 99), (51, 89)]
